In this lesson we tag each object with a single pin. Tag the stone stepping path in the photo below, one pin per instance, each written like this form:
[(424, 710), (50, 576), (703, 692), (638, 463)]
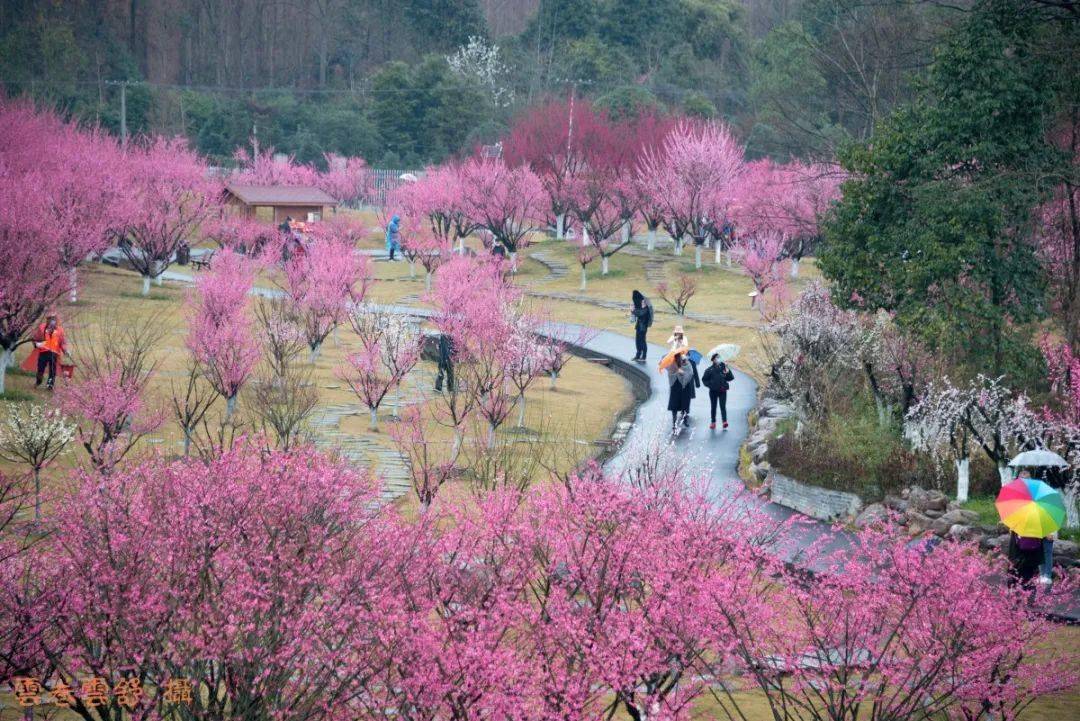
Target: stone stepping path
[(556, 269)]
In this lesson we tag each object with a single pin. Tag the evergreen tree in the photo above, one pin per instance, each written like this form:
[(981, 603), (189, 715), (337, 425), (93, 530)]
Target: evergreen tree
[(935, 222)]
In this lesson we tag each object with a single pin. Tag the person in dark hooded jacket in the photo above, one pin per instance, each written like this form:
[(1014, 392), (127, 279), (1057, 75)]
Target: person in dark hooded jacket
[(642, 314), (717, 378)]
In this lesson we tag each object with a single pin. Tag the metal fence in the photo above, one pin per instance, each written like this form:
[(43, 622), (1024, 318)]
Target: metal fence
[(384, 180)]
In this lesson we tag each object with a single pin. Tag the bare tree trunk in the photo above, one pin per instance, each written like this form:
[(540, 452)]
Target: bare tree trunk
[(6, 357)]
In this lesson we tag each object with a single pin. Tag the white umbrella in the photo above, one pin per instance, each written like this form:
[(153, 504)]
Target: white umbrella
[(407, 177), (1039, 458), (726, 351)]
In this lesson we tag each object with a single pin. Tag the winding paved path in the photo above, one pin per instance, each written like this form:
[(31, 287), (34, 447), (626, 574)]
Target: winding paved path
[(706, 454)]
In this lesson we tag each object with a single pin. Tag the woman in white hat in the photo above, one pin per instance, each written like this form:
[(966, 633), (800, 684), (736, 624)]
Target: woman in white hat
[(678, 339)]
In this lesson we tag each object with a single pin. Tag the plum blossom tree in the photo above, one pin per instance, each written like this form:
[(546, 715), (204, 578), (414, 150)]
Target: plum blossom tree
[(948, 420), (34, 436), (107, 401), (557, 141), (172, 194), (431, 462), (220, 335), (503, 201), (390, 347), (761, 253), (255, 638), (698, 168), (324, 280), (61, 189)]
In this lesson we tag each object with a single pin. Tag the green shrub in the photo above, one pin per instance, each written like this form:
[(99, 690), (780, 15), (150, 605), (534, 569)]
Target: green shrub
[(852, 452)]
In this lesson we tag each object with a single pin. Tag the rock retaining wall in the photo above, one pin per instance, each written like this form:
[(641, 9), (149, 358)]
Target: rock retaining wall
[(814, 501)]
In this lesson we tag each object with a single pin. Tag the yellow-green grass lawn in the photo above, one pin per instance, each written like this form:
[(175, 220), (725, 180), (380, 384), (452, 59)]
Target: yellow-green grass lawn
[(584, 406)]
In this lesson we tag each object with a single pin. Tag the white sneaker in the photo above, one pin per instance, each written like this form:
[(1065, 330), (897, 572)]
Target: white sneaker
[(1045, 580)]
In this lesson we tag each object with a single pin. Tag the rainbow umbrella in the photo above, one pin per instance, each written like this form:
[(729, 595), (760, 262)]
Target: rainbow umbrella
[(1030, 508)]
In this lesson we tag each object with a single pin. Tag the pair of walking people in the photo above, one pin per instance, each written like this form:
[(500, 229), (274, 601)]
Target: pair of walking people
[(683, 380)]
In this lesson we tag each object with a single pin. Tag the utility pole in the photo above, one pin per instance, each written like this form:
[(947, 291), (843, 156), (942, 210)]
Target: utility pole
[(123, 114)]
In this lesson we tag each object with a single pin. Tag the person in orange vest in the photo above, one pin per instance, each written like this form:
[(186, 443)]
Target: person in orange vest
[(49, 345)]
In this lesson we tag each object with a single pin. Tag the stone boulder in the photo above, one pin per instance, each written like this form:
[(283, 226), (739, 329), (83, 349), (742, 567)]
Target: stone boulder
[(872, 515), (760, 471), (896, 503), (758, 452), (917, 522), (924, 500), (945, 522)]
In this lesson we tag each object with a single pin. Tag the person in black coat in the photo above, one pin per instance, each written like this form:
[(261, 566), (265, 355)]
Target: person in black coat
[(717, 378), (642, 314), (681, 380), (446, 363)]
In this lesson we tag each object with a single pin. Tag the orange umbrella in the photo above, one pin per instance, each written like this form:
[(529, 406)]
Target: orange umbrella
[(669, 359)]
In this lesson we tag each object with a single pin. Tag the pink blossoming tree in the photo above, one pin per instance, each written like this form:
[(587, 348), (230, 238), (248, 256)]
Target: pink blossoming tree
[(172, 194), (324, 280), (220, 334), (505, 202)]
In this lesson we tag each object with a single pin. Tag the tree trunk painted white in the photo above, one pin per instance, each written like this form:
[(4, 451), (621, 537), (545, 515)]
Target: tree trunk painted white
[(1005, 473), (584, 236), (651, 243), (73, 284), (146, 285), (187, 442), (521, 411), (491, 436), (314, 356), (625, 232), (374, 418), (230, 406), (158, 280), (513, 261), (794, 267), (412, 269), (719, 252), (963, 479), (457, 443), (158, 270), (604, 265), (584, 279), (697, 256), (6, 358), (679, 245), (427, 281), (727, 259), (1071, 495), (461, 245), (560, 226), (554, 378)]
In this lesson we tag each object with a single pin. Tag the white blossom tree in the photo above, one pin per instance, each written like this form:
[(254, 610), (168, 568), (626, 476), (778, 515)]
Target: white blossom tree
[(35, 436), (479, 62)]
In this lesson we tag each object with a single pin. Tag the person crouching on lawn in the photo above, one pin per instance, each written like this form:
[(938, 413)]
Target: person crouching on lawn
[(49, 345)]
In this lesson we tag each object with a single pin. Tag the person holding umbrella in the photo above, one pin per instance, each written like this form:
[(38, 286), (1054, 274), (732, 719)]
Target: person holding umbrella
[(1033, 512), (681, 386)]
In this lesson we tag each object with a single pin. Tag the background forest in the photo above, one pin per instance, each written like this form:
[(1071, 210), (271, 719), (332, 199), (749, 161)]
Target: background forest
[(371, 77)]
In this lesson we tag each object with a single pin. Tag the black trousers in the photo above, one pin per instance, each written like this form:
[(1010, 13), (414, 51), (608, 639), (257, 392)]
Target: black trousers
[(639, 341), (46, 359), (392, 249), (720, 396), (445, 370)]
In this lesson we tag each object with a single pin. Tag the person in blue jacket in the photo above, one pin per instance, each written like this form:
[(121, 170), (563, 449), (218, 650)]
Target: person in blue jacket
[(393, 237)]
